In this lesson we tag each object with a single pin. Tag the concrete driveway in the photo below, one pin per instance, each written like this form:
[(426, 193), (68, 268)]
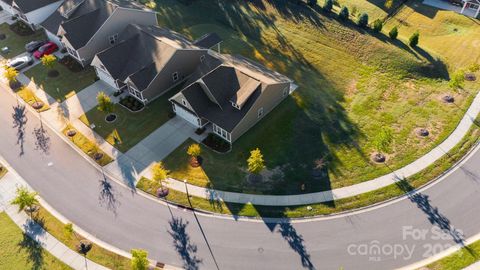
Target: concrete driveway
[(158, 145)]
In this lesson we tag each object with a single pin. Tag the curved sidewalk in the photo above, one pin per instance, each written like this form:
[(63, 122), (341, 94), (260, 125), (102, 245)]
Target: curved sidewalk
[(318, 197)]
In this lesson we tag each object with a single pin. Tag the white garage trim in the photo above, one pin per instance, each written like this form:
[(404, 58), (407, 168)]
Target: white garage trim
[(102, 75), (186, 115), (54, 38)]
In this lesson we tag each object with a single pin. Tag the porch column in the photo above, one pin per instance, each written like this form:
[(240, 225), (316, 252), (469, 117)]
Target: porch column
[(464, 6), (478, 11)]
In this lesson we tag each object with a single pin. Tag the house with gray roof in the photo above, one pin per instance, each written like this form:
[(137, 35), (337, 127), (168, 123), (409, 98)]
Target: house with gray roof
[(231, 93), (32, 12), (148, 61), (86, 27)]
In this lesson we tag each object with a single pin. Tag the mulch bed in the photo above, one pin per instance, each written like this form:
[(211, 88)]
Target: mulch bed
[(71, 64), (37, 105), (378, 157), (132, 103), (195, 162), (216, 143), (22, 29), (53, 73), (15, 85)]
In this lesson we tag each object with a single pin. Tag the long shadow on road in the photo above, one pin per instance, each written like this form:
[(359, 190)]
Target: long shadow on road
[(19, 122), (181, 241), (296, 243)]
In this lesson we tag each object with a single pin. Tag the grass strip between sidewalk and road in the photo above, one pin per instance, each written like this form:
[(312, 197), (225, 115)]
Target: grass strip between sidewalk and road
[(97, 254), (458, 260), (19, 251), (29, 97), (326, 208), (87, 146)]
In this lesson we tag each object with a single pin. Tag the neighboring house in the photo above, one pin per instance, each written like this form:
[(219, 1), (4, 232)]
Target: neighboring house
[(86, 27), (471, 4), (7, 6), (231, 93), (149, 61), (33, 12)]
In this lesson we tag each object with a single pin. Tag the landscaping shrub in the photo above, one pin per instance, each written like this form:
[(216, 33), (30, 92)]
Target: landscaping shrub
[(131, 103), (71, 64), (377, 25), (21, 28), (413, 40), (312, 3), (457, 79), (393, 34), (363, 20), (344, 13), (354, 11), (216, 143), (328, 5)]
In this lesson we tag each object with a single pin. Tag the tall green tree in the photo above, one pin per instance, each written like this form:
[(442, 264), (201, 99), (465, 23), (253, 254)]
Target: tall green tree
[(393, 34), (255, 162), (344, 13), (328, 5), (139, 259), (414, 39), (25, 200), (363, 20)]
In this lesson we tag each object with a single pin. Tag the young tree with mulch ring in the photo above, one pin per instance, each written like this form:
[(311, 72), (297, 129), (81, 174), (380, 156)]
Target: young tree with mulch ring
[(48, 61), (382, 142), (159, 174), (25, 200), (11, 74), (255, 163), (194, 151), (457, 80), (84, 246), (139, 259), (105, 104)]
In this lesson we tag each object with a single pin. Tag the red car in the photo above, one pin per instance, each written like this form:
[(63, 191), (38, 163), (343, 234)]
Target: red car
[(46, 49)]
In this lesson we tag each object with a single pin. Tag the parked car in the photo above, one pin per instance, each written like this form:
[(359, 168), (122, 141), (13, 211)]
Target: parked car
[(46, 49), (34, 45), (20, 62)]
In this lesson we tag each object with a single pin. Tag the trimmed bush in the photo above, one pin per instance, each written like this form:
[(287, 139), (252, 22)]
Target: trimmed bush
[(363, 20), (393, 34), (413, 40), (377, 25), (328, 5), (344, 13)]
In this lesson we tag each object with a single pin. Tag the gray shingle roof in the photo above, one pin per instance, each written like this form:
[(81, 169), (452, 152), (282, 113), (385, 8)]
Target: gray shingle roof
[(81, 29), (207, 41), (30, 5), (53, 22), (141, 53)]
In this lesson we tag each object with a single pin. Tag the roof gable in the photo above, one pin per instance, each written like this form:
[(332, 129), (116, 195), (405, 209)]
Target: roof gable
[(27, 6)]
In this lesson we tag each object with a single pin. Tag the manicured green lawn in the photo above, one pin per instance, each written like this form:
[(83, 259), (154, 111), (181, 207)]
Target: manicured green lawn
[(16, 43), (67, 84), (96, 254), (458, 260), (326, 208), (351, 84), (87, 146), (129, 128), (18, 251)]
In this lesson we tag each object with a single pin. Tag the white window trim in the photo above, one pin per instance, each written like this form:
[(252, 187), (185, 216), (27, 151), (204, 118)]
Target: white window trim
[(202, 58), (222, 133), (184, 102), (113, 38), (285, 91), (175, 76)]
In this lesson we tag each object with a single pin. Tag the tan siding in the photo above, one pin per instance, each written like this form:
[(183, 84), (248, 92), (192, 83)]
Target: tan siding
[(269, 99)]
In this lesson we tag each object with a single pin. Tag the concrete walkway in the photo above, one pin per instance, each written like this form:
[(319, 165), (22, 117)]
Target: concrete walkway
[(8, 186), (475, 266)]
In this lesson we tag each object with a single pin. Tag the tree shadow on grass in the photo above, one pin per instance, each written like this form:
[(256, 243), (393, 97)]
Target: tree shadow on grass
[(183, 245), (35, 251), (19, 122)]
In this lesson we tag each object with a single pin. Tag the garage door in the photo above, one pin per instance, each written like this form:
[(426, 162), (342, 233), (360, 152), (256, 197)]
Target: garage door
[(105, 77), (188, 116)]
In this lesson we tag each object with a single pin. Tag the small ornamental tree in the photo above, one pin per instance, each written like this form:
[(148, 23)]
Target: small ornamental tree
[(151, 5), (139, 259), (159, 173), (68, 231), (255, 162), (363, 20), (194, 151), (377, 25), (104, 102), (383, 140), (343, 14), (413, 40), (10, 74), (457, 80), (393, 34), (25, 200), (328, 5), (48, 60), (388, 4)]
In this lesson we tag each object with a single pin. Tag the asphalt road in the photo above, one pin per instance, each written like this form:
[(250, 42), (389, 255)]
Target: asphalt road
[(388, 237)]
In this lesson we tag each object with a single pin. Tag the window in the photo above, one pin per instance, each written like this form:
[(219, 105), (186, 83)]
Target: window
[(202, 58), (113, 38), (184, 102), (175, 76), (285, 91), (260, 112)]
